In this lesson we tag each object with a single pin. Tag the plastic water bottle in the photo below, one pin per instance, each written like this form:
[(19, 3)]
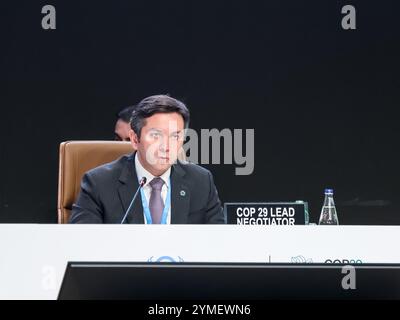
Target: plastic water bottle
[(328, 213)]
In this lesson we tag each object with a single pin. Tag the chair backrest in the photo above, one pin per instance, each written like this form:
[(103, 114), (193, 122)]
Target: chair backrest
[(76, 158)]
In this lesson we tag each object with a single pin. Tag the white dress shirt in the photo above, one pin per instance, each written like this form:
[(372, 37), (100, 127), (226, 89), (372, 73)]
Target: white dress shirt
[(142, 172)]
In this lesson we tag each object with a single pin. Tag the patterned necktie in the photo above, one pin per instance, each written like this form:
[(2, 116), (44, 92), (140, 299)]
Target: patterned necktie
[(156, 204)]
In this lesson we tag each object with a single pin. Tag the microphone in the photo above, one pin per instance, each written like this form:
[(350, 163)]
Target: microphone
[(142, 182)]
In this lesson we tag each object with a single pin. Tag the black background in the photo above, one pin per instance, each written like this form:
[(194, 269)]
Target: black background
[(322, 100)]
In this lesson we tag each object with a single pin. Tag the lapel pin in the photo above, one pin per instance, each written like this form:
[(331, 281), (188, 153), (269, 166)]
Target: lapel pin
[(183, 193)]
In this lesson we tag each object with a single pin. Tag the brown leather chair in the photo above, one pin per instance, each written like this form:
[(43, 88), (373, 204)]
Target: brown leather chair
[(77, 157)]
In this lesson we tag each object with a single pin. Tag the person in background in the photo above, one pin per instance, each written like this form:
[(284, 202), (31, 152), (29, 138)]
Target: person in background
[(122, 126)]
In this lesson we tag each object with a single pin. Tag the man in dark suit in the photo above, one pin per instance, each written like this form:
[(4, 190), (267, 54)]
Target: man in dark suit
[(174, 193)]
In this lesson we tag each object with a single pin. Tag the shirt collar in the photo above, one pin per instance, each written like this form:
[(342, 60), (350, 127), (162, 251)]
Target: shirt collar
[(142, 172)]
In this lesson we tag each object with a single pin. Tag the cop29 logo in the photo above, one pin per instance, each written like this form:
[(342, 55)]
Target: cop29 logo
[(303, 259), (344, 261)]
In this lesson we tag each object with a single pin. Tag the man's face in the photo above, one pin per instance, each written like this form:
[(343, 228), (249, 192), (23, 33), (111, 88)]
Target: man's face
[(160, 140), (121, 130)]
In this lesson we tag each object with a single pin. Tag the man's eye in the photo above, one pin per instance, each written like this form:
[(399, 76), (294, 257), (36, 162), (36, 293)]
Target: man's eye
[(155, 135), (175, 136)]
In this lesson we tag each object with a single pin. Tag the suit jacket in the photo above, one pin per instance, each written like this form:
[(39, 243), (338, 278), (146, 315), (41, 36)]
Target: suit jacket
[(107, 191)]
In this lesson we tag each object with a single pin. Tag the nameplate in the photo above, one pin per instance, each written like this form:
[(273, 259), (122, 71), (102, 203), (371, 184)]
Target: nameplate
[(267, 213)]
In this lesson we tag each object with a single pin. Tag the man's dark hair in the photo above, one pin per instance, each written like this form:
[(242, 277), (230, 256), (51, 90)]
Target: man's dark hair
[(157, 104), (126, 114)]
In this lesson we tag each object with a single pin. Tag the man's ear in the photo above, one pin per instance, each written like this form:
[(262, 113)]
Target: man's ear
[(134, 139)]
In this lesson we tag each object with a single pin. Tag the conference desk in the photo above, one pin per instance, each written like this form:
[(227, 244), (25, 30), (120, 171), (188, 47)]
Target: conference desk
[(33, 257)]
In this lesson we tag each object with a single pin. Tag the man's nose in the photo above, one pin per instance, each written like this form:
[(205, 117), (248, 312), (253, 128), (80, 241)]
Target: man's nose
[(164, 146)]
